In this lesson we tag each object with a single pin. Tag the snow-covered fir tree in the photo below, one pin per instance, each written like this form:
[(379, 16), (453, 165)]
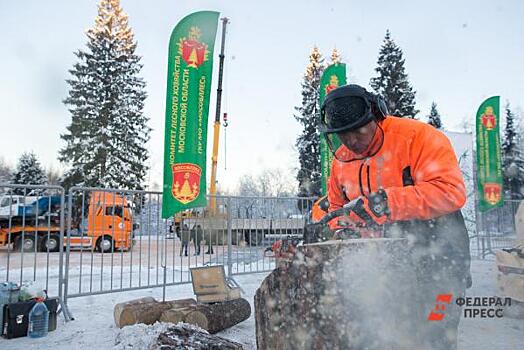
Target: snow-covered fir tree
[(392, 81), (5, 172), (308, 142), (335, 56), (513, 157), (54, 176), (105, 142), (434, 117), (28, 172)]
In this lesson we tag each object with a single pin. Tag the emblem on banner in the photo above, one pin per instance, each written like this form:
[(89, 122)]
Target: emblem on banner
[(492, 193), (333, 84), (488, 118), (186, 182), (193, 52)]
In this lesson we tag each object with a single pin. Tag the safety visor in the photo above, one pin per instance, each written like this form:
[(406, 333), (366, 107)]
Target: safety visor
[(345, 111)]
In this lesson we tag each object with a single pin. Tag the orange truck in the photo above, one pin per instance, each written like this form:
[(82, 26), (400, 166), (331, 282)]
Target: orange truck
[(107, 227)]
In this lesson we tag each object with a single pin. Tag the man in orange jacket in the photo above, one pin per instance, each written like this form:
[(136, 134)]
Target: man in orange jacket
[(405, 176)]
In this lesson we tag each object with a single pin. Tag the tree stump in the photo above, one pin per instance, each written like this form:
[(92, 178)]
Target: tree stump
[(184, 336), (350, 294)]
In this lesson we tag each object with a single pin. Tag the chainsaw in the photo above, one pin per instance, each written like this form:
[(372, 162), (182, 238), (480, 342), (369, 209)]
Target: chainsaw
[(317, 232)]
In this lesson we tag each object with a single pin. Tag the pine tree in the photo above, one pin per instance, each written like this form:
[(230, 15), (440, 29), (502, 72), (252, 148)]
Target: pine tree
[(434, 117), (28, 172), (105, 142), (308, 143), (512, 157), (392, 81)]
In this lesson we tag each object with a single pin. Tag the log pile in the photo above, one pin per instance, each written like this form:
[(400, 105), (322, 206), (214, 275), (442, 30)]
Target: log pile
[(211, 317), (339, 295)]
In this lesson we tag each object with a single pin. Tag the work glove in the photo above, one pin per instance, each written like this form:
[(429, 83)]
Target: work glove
[(372, 210)]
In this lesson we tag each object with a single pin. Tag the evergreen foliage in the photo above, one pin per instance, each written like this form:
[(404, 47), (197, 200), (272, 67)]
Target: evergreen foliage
[(308, 142), (5, 172), (335, 56), (392, 81), (28, 172), (105, 142), (434, 117), (513, 157)]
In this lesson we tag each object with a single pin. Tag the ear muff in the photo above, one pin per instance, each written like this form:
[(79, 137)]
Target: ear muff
[(381, 105)]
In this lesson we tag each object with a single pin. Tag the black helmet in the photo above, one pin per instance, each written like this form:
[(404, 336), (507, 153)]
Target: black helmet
[(349, 107)]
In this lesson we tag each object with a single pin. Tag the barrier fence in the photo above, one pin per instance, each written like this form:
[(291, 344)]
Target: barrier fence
[(116, 240), (496, 228), (31, 232), (95, 241)]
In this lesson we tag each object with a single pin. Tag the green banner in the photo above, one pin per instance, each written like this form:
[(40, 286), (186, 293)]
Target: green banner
[(333, 77), (190, 64), (489, 164)]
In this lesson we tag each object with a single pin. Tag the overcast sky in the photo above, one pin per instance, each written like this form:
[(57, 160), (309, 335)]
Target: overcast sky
[(457, 54)]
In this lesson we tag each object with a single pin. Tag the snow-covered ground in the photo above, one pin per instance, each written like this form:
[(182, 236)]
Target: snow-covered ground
[(93, 327)]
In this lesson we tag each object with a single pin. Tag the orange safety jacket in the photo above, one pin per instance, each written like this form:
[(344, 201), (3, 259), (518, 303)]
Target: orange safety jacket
[(415, 165)]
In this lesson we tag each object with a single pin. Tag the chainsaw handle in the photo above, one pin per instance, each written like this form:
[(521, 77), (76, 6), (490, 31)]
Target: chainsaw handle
[(344, 211)]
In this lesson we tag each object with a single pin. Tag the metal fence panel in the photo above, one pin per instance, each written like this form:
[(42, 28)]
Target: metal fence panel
[(257, 223), (32, 236), (116, 241), (496, 229)]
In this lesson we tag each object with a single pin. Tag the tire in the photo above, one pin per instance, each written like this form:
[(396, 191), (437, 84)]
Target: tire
[(53, 241), (104, 244), (27, 245)]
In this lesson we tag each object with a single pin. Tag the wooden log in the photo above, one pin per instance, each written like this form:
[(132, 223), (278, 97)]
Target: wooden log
[(348, 294), (145, 310), (176, 315), (117, 311), (219, 316), (147, 313), (184, 336), (182, 303)]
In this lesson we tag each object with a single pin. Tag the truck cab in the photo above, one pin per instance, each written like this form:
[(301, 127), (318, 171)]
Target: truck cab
[(108, 226)]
